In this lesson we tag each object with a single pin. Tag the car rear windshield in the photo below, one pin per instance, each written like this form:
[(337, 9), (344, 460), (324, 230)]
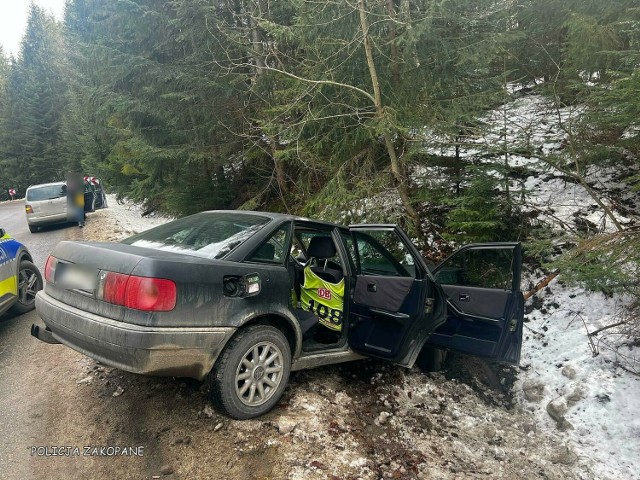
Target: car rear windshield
[(46, 192), (206, 234)]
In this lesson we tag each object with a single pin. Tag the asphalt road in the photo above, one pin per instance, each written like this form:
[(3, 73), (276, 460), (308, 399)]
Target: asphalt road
[(13, 220), (23, 361)]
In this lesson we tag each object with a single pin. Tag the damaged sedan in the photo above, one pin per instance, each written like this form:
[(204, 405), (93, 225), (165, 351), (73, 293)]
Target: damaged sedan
[(240, 299)]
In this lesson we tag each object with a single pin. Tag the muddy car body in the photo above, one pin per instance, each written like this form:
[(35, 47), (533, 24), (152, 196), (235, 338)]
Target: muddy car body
[(216, 296)]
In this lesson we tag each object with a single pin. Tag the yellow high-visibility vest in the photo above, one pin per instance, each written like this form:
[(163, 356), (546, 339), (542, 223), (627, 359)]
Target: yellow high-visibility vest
[(323, 298)]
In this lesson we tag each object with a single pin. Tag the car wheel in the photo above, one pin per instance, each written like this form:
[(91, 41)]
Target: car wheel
[(431, 359), (29, 283), (33, 229), (251, 372)]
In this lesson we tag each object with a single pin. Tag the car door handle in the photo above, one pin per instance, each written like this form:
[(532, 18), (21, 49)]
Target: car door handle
[(371, 287), (464, 297)]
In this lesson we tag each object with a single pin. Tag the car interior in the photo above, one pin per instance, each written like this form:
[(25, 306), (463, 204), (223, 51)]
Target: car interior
[(315, 248)]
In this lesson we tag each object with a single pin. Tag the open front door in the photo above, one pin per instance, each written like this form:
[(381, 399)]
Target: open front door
[(394, 302), (485, 305)]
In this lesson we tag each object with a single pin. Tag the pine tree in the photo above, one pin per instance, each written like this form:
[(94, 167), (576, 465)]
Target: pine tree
[(36, 97)]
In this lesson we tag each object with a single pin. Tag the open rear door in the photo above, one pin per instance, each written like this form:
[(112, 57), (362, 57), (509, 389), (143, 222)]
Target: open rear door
[(394, 305), (485, 305)]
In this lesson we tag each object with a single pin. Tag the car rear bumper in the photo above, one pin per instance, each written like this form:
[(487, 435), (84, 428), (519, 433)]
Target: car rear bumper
[(173, 351), (36, 220)]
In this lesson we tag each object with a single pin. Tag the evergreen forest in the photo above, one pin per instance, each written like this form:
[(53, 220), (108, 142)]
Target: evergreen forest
[(328, 108)]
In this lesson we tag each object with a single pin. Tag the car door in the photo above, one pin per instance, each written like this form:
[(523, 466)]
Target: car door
[(101, 201), (89, 197), (394, 302), (485, 308)]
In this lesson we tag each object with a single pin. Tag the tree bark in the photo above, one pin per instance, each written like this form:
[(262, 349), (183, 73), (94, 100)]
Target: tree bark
[(543, 283), (256, 46), (281, 175), (399, 178), (395, 63)]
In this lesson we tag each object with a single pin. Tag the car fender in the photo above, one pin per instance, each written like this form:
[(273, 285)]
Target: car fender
[(11, 253), (23, 254), (279, 318)]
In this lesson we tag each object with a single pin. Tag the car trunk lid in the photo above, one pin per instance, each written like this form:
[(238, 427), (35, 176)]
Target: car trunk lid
[(49, 207), (79, 266)]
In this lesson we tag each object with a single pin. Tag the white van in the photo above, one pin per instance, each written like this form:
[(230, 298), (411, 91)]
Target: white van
[(46, 204)]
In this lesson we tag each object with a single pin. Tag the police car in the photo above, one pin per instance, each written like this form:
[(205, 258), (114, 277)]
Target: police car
[(20, 279)]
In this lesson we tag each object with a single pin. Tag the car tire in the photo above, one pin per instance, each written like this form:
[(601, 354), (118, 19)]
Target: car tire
[(29, 283), (241, 392), (431, 359), (32, 228)]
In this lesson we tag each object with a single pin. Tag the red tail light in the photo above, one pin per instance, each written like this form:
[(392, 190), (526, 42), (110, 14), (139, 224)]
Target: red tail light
[(115, 286), (140, 293), (150, 294), (49, 268)]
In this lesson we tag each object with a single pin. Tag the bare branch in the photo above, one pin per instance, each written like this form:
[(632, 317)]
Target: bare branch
[(322, 82)]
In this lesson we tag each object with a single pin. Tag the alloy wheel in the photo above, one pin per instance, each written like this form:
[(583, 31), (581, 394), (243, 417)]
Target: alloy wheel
[(259, 374), (27, 286)]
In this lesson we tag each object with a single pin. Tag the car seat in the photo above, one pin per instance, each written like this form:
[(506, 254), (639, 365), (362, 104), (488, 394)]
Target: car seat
[(321, 249)]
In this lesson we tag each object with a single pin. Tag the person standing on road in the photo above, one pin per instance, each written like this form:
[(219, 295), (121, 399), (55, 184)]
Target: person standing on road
[(75, 197)]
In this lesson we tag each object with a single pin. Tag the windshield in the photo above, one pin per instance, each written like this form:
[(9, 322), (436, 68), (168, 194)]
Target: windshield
[(207, 234), (46, 192)]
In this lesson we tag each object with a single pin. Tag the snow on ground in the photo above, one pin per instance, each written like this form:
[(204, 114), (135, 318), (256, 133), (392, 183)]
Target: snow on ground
[(530, 123), (596, 403), (129, 216), (567, 205), (120, 220)]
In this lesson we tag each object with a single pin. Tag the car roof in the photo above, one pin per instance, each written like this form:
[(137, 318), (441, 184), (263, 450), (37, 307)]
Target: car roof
[(278, 216), (46, 184)]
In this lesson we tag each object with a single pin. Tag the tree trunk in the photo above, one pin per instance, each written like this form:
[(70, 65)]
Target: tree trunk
[(281, 176), (400, 179), (256, 47), (395, 63)]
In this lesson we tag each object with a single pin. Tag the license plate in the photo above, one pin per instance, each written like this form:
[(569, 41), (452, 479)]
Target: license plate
[(75, 277)]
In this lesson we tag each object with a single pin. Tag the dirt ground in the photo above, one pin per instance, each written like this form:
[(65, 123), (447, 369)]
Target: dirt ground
[(363, 420)]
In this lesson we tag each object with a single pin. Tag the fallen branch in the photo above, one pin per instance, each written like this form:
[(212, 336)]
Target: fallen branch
[(535, 332), (626, 369), (543, 283), (594, 348), (596, 332)]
